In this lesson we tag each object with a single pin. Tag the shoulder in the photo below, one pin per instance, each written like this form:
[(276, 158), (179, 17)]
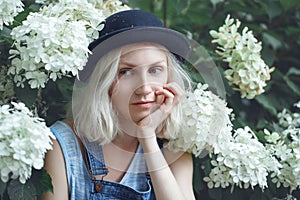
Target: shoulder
[(181, 165), (176, 159), (55, 166), (55, 157)]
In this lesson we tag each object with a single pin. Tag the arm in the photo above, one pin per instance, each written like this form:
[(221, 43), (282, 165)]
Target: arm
[(170, 180), (55, 166), (171, 174), (182, 169)]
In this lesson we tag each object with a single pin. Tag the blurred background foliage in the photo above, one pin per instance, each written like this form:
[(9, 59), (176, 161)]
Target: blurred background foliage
[(274, 22)]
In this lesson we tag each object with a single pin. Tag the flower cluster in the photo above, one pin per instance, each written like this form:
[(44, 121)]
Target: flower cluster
[(285, 145), (206, 116), (45, 1), (241, 160), (237, 156), (54, 42), (9, 9), (247, 71), (81, 11), (47, 48), (24, 140), (109, 6), (288, 119)]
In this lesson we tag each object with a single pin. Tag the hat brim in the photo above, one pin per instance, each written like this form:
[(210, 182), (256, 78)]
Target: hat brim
[(174, 41)]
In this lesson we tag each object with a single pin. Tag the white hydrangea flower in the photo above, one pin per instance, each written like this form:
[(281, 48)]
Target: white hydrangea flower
[(285, 145), (297, 105), (46, 46), (45, 1), (242, 161), (247, 71), (78, 10), (206, 116), (24, 140), (8, 10), (290, 197), (54, 42), (237, 157), (287, 119), (109, 6)]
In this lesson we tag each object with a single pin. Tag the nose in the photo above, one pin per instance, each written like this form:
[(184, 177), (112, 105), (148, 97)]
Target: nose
[(144, 89), (144, 86)]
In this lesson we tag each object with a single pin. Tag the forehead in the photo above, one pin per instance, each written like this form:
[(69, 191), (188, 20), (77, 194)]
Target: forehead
[(143, 48)]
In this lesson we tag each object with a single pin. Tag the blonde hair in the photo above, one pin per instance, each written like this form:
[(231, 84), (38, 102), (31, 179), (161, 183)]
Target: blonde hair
[(93, 113)]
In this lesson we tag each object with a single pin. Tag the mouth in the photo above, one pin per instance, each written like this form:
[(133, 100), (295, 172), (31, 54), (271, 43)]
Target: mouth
[(143, 104)]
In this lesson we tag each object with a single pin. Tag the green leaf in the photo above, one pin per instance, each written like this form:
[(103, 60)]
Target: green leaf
[(22, 16), (292, 85), (268, 54), (291, 30), (263, 123), (19, 191), (65, 86), (2, 188), (272, 40), (26, 94), (198, 176), (273, 9), (43, 180), (266, 102), (215, 2), (260, 135), (293, 71), (289, 4), (5, 35)]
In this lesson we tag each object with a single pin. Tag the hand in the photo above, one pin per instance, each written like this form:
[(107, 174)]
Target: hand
[(167, 97)]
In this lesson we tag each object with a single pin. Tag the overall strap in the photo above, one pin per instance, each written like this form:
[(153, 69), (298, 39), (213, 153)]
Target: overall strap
[(96, 164), (95, 158)]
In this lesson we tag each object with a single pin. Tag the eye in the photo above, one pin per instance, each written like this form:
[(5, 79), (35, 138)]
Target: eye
[(155, 70), (125, 72)]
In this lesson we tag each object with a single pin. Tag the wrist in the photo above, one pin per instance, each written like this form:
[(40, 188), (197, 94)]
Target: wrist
[(149, 144), (155, 161)]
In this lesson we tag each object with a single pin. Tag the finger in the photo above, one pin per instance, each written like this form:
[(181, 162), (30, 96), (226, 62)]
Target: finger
[(175, 89), (173, 93), (168, 97)]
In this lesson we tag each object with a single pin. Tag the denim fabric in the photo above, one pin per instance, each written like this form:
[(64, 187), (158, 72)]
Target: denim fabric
[(116, 191), (77, 174), (82, 185)]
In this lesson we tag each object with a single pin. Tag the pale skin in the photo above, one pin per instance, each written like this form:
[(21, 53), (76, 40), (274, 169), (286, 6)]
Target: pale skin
[(140, 112)]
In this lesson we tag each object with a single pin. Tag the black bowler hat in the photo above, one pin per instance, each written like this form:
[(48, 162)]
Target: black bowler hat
[(133, 26)]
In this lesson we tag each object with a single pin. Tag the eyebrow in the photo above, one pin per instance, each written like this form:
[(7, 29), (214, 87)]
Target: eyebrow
[(134, 65)]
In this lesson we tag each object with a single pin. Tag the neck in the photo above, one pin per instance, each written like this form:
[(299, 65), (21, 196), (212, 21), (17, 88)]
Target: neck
[(126, 142)]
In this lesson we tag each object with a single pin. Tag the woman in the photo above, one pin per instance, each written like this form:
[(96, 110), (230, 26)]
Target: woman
[(125, 105)]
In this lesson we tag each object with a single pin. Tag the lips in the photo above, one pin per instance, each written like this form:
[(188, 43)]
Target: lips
[(143, 104)]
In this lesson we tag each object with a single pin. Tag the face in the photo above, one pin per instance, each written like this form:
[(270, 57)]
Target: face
[(142, 70)]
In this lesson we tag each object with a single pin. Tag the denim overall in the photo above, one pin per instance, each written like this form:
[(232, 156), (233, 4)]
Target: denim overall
[(81, 182)]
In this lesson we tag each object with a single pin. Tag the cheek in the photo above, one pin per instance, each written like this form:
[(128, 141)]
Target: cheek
[(165, 78), (117, 88), (161, 79), (119, 94)]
